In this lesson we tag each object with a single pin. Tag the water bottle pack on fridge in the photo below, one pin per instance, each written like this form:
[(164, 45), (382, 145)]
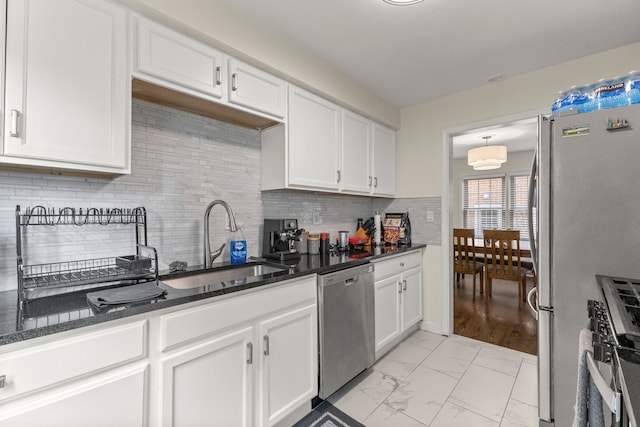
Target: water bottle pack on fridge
[(612, 93)]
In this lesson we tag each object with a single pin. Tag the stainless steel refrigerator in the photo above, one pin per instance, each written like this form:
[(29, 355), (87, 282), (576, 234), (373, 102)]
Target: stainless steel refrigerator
[(587, 198)]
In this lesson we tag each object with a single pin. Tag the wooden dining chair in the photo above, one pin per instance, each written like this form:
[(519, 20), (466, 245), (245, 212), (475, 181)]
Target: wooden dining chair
[(502, 259), (464, 257)]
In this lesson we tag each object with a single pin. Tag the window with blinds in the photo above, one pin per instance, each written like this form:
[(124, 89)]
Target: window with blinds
[(485, 205), (518, 205), (496, 203)]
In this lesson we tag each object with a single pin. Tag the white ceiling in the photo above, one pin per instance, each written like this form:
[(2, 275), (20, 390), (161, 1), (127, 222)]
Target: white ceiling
[(520, 135), (411, 54)]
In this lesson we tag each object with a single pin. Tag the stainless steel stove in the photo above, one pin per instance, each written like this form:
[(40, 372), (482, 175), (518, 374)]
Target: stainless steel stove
[(615, 326)]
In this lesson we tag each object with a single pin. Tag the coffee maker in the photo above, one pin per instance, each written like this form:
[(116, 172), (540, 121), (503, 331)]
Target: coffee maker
[(279, 239)]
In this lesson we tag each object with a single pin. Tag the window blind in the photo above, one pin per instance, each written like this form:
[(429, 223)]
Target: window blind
[(484, 205), (518, 202)]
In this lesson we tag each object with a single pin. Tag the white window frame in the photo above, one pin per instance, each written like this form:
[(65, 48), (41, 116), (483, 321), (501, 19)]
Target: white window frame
[(507, 212)]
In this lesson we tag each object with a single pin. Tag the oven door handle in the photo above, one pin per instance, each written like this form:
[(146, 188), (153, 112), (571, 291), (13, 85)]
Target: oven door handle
[(611, 398)]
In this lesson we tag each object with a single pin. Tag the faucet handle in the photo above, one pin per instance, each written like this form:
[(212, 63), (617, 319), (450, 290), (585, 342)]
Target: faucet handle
[(215, 254)]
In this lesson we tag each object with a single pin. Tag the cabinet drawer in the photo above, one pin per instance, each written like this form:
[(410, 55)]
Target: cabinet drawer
[(397, 264), (41, 366), (199, 322)]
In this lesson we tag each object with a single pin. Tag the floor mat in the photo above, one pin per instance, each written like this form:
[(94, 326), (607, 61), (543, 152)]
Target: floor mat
[(327, 415)]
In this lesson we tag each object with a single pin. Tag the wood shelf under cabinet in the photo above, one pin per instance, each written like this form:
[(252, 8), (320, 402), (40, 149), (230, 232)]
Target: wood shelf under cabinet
[(191, 104)]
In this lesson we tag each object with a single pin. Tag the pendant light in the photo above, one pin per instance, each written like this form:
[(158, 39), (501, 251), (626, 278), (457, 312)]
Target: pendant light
[(488, 156)]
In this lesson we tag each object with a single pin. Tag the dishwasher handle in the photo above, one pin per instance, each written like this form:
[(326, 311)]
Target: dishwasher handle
[(352, 281), (345, 277)]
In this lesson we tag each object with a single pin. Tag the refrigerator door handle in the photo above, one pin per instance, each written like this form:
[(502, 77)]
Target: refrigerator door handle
[(533, 190), (533, 306)]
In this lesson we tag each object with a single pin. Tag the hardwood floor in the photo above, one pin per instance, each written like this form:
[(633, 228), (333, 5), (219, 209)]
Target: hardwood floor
[(500, 319)]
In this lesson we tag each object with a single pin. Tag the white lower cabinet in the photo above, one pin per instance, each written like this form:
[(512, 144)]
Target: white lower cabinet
[(67, 381), (112, 400), (248, 360), (398, 298), (288, 353), (210, 383)]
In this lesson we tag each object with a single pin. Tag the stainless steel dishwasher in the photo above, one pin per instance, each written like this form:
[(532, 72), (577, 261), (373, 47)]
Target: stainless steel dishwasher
[(346, 333)]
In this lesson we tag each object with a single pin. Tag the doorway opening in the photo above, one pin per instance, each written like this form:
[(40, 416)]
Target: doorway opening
[(502, 318)]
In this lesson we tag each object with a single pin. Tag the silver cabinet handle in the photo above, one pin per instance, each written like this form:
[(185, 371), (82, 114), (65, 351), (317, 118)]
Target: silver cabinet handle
[(234, 82), (218, 76), (370, 179), (266, 345), (375, 182), (404, 285), (399, 287), (339, 176), (3, 379), (13, 131), (249, 353)]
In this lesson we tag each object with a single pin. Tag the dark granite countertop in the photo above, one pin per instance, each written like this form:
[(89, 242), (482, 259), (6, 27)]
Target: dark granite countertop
[(53, 314)]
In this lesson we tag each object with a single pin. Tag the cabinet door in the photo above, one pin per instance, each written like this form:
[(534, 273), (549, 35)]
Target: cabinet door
[(210, 383), (356, 153), (176, 58), (387, 310), (289, 363), (314, 137), (107, 400), (411, 297), (68, 89), (257, 90), (384, 161)]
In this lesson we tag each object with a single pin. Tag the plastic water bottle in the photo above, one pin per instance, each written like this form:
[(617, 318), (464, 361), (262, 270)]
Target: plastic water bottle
[(611, 93), (590, 100), (632, 88), (558, 103), (580, 96)]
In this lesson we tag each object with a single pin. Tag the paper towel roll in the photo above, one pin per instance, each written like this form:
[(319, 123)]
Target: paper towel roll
[(378, 226)]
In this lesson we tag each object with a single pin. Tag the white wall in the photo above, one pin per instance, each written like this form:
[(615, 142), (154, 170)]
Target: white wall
[(216, 23), (516, 162), (420, 139)]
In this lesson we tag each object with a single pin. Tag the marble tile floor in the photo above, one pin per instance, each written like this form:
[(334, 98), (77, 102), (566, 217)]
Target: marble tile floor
[(433, 380)]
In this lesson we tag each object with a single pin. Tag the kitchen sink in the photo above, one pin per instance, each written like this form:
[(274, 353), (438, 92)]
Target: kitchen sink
[(224, 277)]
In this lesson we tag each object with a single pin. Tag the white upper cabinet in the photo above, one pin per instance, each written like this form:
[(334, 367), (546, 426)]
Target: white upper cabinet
[(324, 147), (384, 161), (67, 89), (356, 153), (173, 57), (257, 90), (314, 141), (168, 58)]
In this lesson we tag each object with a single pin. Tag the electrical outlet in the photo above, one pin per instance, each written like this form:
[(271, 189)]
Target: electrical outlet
[(430, 216)]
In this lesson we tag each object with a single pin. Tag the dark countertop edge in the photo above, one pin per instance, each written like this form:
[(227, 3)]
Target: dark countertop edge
[(155, 305)]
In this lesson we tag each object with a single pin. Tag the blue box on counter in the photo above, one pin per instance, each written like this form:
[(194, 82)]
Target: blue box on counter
[(238, 251)]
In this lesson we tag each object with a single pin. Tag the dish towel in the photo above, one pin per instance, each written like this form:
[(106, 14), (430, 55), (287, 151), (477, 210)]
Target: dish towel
[(588, 408), (124, 295)]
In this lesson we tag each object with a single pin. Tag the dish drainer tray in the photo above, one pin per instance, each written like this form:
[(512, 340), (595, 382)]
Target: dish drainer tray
[(84, 272)]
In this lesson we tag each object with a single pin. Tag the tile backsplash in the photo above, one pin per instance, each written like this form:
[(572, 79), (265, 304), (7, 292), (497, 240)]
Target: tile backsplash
[(180, 163)]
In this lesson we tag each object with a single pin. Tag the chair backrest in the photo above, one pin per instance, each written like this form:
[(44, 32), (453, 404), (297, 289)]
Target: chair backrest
[(502, 249), (464, 249)]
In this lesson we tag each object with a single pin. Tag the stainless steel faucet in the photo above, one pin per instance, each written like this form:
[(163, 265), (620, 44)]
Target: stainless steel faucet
[(209, 255)]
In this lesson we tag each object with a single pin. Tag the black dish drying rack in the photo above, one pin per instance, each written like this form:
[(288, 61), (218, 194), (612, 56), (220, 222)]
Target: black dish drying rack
[(40, 280)]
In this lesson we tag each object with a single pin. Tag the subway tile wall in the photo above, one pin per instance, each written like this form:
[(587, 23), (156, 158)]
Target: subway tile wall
[(180, 163)]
